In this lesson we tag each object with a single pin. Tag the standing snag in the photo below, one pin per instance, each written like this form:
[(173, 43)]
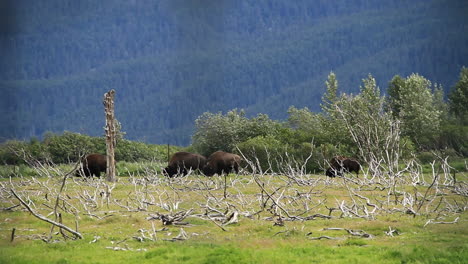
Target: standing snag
[(110, 129)]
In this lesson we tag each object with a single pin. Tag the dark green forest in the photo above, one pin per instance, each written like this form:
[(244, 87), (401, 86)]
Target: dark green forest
[(171, 61)]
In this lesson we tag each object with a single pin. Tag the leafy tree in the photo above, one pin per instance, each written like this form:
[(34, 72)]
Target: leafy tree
[(364, 118), (393, 101), (376, 136), (412, 102), (439, 102), (330, 97), (10, 152), (458, 98), (305, 126), (332, 125)]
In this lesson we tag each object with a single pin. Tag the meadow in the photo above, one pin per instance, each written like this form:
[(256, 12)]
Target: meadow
[(256, 217)]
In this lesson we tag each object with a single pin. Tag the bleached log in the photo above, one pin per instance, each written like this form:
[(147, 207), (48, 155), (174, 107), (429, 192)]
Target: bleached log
[(43, 218)]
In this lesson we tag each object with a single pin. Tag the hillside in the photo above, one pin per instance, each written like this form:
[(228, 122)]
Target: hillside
[(170, 61)]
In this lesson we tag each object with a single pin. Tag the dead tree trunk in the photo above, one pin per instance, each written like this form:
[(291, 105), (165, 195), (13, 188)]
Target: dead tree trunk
[(110, 129)]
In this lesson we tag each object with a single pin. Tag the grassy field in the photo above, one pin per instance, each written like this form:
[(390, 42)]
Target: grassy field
[(261, 218)]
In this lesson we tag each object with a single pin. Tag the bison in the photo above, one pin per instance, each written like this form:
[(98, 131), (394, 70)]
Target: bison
[(92, 164), (340, 164), (182, 162), (221, 162)]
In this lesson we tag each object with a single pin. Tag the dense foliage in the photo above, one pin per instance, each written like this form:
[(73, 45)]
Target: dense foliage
[(375, 128), (69, 146), (170, 61)]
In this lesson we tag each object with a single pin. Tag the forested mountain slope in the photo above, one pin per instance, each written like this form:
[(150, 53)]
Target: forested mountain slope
[(169, 61)]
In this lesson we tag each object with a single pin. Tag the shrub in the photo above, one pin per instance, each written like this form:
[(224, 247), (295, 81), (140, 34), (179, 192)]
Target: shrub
[(426, 157), (263, 151), (223, 132), (67, 147), (9, 152)]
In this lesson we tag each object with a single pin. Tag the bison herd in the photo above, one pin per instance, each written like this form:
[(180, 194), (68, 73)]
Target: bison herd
[(219, 162)]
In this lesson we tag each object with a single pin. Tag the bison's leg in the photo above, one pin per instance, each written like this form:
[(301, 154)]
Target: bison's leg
[(95, 171), (339, 172), (87, 172), (179, 170)]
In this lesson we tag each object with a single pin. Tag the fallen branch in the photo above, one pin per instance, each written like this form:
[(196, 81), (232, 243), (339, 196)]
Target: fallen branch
[(391, 231), (430, 221), (13, 234), (43, 218), (323, 237), (180, 237), (220, 226), (231, 219), (360, 233), (171, 218), (10, 208)]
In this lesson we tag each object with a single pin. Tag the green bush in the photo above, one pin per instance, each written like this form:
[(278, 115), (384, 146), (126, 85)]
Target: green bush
[(69, 146), (426, 157), (264, 152), (459, 165), (223, 132), (23, 170), (268, 153), (10, 152)]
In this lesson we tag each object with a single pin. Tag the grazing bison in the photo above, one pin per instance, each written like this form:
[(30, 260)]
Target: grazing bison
[(221, 162), (182, 162), (92, 164), (340, 164)]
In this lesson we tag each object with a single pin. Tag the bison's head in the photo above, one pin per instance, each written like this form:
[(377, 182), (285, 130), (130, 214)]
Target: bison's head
[(330, 173), (169, 172), (208, 170)]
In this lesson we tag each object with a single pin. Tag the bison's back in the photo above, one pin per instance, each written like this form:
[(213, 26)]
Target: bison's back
[(183, 161), (340, 164), (220, 161), (94, 164), (187, 160)]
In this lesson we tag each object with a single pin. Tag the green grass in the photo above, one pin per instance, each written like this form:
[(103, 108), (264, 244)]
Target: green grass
[(253, 239), (275, 251)]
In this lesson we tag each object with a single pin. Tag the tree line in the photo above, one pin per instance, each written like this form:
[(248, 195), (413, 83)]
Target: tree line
[(415, 118), (68, 147)]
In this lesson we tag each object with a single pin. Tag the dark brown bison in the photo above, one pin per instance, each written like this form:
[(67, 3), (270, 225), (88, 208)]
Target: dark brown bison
[(182, 162), (221, 162), (92, 164), (339, 165)]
